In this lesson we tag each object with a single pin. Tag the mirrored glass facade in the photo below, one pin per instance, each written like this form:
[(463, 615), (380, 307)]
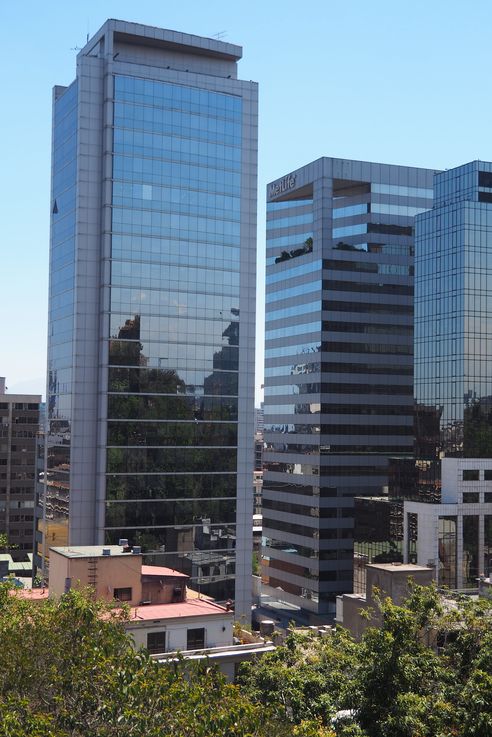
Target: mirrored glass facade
[(53, 525), (453, 344), (159, 449), (338, 364)]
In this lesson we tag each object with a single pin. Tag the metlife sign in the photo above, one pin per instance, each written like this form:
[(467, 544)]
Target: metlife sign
[(282, 186)]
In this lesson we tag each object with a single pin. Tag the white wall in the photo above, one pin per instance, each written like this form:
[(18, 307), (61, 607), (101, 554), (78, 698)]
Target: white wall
[(453, 485), (218, 630)]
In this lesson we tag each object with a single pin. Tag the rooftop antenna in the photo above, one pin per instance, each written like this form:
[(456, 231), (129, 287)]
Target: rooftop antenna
[(220, 35)]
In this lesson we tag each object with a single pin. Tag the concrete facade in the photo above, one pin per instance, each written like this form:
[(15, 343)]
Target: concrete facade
[(383, 580)]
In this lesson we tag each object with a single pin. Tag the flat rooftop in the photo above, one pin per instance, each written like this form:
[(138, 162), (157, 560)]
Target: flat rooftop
[(162, 571), (92, 551), (399, 567), (164, 38)]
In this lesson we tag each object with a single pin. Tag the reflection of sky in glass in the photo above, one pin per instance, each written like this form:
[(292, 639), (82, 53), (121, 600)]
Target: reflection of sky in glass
[(453, 304)]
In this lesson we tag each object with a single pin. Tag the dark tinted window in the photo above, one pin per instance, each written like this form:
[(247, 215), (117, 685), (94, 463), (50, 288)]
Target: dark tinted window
[(123, 594), (156, 642), (485, 179), (195, 638), (388, 229)]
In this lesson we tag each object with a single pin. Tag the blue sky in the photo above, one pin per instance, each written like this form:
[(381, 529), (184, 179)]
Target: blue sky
[(398, 82)]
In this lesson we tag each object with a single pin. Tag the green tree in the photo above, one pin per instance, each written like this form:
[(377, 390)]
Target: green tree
[(426, 671), (305, 679), (68, 669), (400, 681)]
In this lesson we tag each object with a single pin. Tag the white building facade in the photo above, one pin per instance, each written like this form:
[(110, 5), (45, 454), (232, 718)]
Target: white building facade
[(454, 537)]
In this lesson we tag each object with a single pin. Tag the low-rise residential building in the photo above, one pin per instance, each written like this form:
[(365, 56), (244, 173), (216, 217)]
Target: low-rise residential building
[(382, 580), (165, 616)]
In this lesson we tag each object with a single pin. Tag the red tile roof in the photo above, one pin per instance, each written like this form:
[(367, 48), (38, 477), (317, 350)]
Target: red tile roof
[(190, 608), (199, 607), (161, 571)]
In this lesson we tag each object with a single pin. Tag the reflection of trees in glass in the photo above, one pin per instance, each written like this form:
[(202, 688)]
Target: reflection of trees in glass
[(123, 349), (427, 421), (221, 381), (447, 551), (171, 486), (155, 407), (477, 435), (307, 247), (171, 434), (170, 513), (170, 460), (52, 391), (341, 246), (470, 551), (161, 381), (126, 351), (418, 480)]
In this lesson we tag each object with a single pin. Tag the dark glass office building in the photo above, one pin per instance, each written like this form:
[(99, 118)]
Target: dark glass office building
[(152, 299), (338, 364)]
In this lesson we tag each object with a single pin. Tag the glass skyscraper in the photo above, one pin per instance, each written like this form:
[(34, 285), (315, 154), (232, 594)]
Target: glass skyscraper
[(447, 488), (152, 305), (453, 308), (453, 349), (338, 364)]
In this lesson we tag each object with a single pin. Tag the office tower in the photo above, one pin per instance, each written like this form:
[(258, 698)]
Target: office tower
[(152, 299), (448, 488), (19, 424), (338, 364)]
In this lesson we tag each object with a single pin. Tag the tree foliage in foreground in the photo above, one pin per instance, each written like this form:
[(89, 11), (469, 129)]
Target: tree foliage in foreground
[(426, 672), (68, 669)]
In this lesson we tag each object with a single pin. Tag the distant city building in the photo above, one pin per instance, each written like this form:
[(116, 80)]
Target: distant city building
[(259, 419), (19, 425), (258, 465), (259, 451), (447, 489), (338, 365), (152, 305)]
